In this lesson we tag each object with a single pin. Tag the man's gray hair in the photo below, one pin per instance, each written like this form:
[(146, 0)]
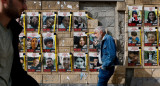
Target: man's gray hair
[(99, 29)]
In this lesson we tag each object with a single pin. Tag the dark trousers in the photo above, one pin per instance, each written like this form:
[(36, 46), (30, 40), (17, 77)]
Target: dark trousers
[(104, 76)]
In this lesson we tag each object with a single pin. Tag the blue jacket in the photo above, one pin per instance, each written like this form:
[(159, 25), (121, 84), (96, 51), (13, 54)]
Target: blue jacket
[(108, 52)]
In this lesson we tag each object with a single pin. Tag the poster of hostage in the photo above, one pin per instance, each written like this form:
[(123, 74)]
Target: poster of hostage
[(48, 42), (150, 56), (134, 38), (49, 62), (134, 15), (64, 21), (64, 63), (94, 64), (32, 21), (80, 41), (33, 62), (33, 42), (48, 21), (79, 61), (80, 21), (150, 36), (94, 43), (134, 56)]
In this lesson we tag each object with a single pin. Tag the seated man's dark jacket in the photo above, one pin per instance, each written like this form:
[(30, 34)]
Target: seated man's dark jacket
[(18, 75)]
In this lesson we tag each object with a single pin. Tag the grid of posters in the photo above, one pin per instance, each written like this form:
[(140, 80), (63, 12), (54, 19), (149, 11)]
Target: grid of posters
[(80, 21), (64, 63), (151, 18), (49, 62), (80, 41), (133, 56), (20, 20), (134, 15), (21, 42), (32, 21), (134, 38), (94, 43), (64, 21), (33, 42), (79, 61), (33, 62), (48, 21), (150, 36), (21, 59), (150, 56), (94, 64), (48, 42)]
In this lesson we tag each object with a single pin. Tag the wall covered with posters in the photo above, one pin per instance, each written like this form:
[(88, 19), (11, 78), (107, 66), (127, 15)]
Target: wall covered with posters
[(57, 44)]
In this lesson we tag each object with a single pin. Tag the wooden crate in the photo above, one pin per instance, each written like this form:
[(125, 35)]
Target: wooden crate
[(51, 5), (69, 5), (33, 5)]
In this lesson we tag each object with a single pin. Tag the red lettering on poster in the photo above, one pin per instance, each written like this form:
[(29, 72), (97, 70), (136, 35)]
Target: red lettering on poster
[(62, 70), (93, 70), (77, 29), (47, 70), (30, 29)]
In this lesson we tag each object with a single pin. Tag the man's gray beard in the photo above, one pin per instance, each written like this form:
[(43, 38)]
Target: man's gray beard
[(99, 38)]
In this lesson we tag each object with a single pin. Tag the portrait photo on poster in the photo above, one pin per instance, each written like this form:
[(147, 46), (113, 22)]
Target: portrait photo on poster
[(150, 56), (32, 21), (64, 63), (21, 59), (80, 21), (48, 21), (33, 42), (64, 21), (80, 41), (49, 62), (21, 42), (94, 43), (134, 15), (33, 62), (79, 62), (134, 38), (94, 64), (48, 42), (150, 36), (133, 56), (151, 18)]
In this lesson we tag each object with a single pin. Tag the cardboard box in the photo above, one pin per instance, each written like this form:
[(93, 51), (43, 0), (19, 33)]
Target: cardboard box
[(142, 72), (93, 78)]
